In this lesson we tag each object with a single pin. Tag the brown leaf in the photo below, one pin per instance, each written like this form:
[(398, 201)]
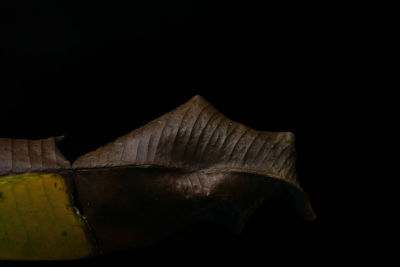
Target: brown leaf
[(190, 164), (196, 137)]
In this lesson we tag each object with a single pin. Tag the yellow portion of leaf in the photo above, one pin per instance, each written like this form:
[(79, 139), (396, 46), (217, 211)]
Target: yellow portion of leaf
[(37, 220)]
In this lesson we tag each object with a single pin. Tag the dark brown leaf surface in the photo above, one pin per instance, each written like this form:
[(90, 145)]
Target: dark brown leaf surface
[(135, 207)]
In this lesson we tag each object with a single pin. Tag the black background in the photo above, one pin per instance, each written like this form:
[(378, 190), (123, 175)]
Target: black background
[(323, 72)]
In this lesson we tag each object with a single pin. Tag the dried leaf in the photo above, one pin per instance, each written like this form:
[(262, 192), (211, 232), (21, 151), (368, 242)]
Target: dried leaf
[(190, 164)]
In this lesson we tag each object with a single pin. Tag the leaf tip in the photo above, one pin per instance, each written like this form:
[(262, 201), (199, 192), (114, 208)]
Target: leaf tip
[(198, 98)]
